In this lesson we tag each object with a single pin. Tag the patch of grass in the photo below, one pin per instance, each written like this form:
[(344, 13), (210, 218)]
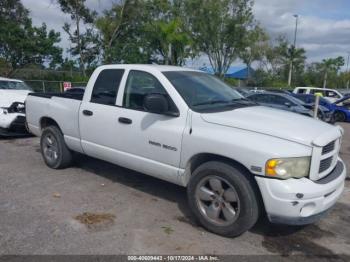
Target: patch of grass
[(168, 230)]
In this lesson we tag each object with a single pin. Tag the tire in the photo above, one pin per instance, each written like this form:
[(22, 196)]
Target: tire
[(339, 116), (52, 144), (320, 115), (239, 184)]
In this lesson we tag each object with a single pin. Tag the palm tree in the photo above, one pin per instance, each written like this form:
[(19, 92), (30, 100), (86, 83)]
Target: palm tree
[(293, 57), (330, 65)]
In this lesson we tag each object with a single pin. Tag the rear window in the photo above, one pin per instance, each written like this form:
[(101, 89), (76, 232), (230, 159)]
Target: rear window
[(106, 86), (301, 91)]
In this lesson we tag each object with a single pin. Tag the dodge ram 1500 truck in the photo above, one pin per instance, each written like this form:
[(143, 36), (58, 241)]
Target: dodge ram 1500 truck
[(187, 127)]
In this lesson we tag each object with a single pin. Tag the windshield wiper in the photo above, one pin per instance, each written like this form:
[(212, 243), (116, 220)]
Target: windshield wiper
[(243, 100), (240, 99), (212, 102)]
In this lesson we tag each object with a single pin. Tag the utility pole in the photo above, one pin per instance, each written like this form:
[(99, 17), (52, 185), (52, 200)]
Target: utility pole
[(347, 72), (294, 47)]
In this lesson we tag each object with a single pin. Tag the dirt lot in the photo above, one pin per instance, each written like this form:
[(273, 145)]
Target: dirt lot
[(97, 208)]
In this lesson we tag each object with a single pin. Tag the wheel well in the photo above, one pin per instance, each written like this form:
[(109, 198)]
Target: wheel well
[(340, 113), (47, 121), (199, 159)]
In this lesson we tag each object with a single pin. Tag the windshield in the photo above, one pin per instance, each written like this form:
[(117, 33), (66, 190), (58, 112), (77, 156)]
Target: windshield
[(14, 85), (203, 92)]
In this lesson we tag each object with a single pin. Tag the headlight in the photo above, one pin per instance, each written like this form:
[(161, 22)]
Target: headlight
[(285, 168), (16, 107)]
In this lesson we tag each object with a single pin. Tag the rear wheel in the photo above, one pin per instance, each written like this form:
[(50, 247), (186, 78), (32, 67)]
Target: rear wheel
[(339, 116), (54, 149), (223, 198)]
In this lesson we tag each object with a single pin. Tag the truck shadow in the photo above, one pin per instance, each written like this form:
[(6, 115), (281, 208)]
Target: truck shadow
[(13, 138), (147, 184), (280, 239)]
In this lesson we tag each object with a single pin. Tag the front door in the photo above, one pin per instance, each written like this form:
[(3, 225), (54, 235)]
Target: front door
[(153, 138)]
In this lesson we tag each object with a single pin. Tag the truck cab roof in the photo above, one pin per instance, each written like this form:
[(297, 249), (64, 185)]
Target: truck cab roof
[(161, 68)]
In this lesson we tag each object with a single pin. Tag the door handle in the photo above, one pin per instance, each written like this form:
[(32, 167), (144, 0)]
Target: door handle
[(125, 120), (88, 112)]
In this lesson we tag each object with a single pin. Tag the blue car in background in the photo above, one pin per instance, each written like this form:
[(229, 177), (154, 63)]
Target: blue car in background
[(289, 103), (340, 109)]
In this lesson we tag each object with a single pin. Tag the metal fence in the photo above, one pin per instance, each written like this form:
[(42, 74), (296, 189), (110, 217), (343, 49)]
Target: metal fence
[(50, 86)]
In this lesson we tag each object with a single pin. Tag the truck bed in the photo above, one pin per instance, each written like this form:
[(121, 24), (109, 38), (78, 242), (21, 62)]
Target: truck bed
[(63, 108), (75, 96)]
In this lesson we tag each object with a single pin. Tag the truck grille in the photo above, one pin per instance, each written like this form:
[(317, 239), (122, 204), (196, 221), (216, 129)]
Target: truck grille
[(325, 164), (324, 159), (328, 148)]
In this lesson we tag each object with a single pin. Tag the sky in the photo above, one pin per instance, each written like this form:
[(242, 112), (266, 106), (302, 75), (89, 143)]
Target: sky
[(323, 25)]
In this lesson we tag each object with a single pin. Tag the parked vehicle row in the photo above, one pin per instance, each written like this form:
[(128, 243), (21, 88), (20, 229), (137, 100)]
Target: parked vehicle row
[(290, 103), (338, 111), (12, 109), (331, 95), (235, 157)]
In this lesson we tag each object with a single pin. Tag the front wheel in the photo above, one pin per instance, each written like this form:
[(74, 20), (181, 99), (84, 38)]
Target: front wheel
[(54, 149), (339, 116), (223, 198)]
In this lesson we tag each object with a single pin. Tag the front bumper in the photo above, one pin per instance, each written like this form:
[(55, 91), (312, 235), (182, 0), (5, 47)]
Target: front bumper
[(301, 201), (13, 124)]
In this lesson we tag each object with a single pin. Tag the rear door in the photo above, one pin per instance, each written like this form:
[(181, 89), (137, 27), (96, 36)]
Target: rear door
[(98, 116)]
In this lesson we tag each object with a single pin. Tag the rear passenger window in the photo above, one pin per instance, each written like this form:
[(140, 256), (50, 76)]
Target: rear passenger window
[(301, 91), (279, 100), (106, 86), (261, 98)]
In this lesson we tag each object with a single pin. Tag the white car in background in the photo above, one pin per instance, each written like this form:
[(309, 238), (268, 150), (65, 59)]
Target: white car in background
[(13, 93), (331, 95)]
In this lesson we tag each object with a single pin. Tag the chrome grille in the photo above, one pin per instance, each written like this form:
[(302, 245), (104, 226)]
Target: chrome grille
[(328, 148), (325, 164)]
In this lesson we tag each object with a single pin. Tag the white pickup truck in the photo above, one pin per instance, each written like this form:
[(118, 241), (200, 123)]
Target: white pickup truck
[(236, 158)]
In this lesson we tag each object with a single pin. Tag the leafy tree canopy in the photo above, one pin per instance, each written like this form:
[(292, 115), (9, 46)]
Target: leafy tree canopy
[(21, 43)]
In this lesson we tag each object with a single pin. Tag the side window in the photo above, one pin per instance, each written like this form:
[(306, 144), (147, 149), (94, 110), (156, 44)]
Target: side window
[(301, 91), (106, 86), (264, 99), (317, 92), (260, 98), (331, 94), (253, 98), (140, 84), (279, 100)]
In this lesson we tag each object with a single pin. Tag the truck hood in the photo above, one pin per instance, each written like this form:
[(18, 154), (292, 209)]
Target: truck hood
[(7, 97), (278, 123)]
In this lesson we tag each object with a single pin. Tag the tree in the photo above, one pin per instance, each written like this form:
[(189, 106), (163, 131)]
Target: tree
[(330, 65), (121, 33), (84, 44), (219, 28), (144, 31), (21, 43), (253, 49), (166, 32), (295, 57)]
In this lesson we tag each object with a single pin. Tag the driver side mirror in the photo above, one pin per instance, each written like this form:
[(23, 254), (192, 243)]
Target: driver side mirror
[(158, 104)]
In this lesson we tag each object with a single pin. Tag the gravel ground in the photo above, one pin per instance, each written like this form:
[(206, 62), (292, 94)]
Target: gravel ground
[(98, 208)]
